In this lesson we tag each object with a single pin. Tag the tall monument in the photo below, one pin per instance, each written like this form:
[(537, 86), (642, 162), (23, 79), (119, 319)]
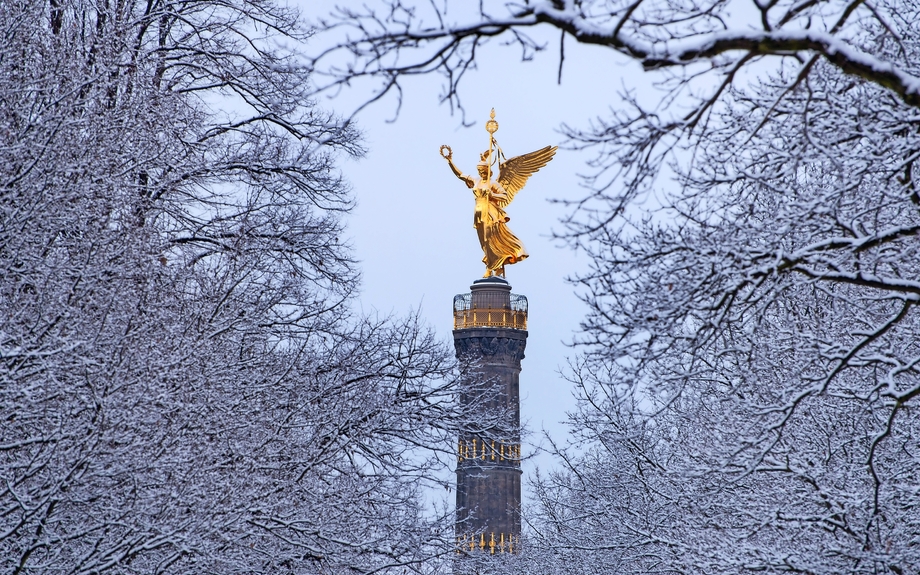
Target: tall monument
[(490, 333), (490, 326)]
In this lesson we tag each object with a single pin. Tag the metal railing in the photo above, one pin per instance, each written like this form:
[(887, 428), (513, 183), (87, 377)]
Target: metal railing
[(466, 316)]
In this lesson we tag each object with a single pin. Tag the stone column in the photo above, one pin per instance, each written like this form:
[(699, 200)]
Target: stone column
[(490, 336)]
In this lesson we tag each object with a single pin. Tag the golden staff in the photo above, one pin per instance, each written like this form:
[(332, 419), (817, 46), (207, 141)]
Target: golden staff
[(491, 127)]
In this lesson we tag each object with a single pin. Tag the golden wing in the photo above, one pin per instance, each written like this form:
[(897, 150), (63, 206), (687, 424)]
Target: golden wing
[(516, 171)]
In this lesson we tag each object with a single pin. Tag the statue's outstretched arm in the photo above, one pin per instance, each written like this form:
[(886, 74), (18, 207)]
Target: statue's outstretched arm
[(463, 177), (460, 175)]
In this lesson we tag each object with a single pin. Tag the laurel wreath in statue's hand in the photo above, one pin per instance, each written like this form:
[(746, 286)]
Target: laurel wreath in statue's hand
[(449, 153)]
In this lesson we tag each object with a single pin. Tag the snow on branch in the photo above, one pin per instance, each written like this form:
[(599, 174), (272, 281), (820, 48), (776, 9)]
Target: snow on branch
[(757, 42), (390, 47)]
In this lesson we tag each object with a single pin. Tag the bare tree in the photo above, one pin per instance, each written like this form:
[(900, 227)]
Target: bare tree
[(183, 386), (753, 286)]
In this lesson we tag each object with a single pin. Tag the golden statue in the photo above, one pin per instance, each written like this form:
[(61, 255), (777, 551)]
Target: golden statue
[(499, 246)]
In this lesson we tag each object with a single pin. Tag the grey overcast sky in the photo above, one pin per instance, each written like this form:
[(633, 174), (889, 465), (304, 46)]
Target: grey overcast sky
[(412, 229)]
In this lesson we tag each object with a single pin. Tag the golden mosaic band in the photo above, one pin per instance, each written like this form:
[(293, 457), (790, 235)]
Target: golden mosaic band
[(506, 318), (493, 543), (488, 450)]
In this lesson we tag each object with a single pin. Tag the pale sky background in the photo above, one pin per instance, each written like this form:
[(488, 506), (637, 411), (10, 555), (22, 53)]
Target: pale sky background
[(412, 229)]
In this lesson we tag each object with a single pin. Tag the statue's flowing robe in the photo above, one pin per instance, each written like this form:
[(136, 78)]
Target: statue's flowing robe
[(499, 246)]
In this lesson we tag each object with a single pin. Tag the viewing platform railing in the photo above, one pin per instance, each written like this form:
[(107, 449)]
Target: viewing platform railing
[(493, 314)]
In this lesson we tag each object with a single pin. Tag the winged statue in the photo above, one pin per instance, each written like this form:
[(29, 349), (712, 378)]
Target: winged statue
[(500, 247)]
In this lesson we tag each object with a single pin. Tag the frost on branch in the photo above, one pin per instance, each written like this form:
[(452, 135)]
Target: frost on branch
[(749, 379), (183, 385)]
